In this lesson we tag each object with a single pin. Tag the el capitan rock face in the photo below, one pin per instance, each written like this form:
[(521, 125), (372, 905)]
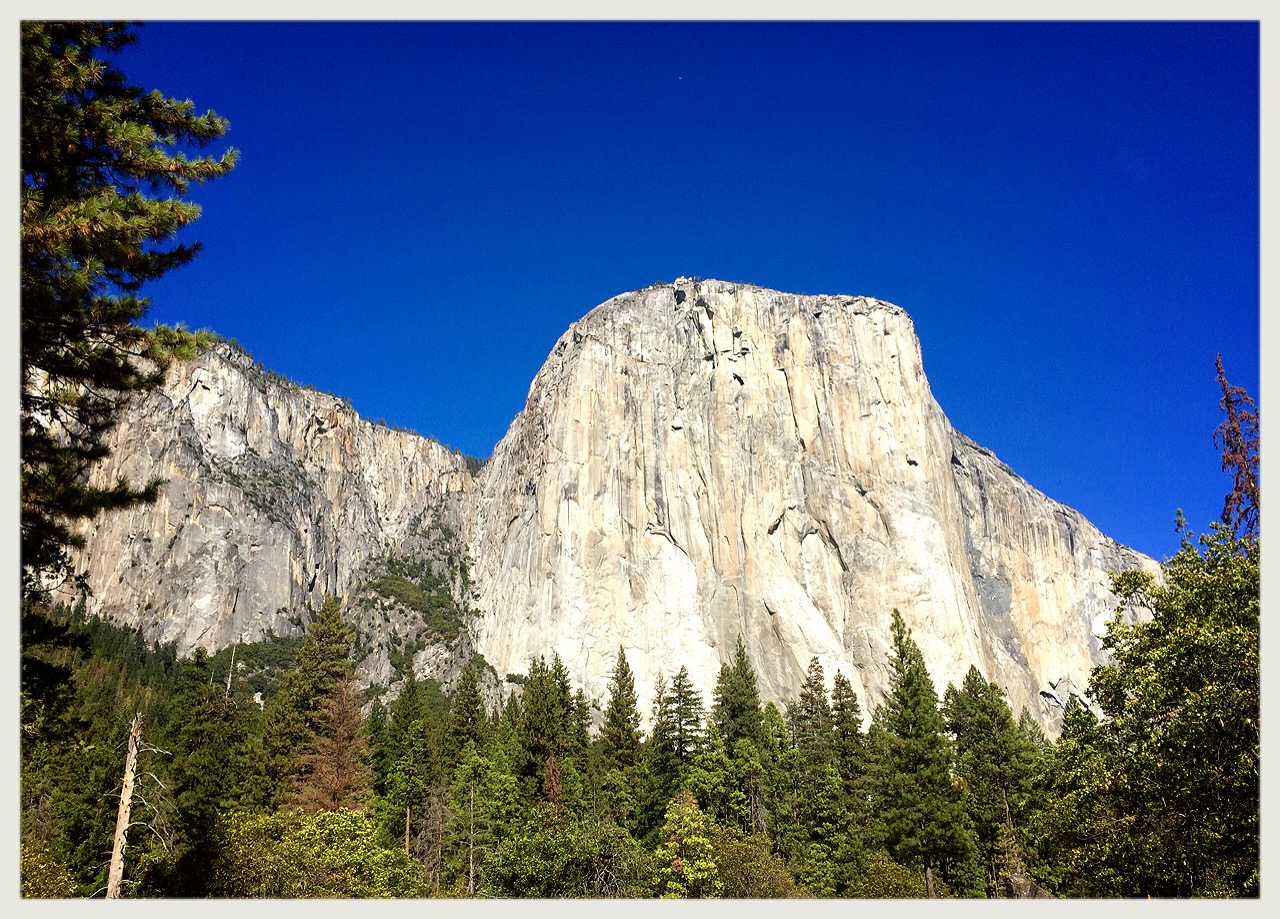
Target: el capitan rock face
[(695, 461), (706, 459)]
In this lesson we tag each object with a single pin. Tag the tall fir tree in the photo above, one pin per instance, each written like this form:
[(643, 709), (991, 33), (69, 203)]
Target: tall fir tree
[(919, 808), (736, 706), (996, 763), (850, 741), (209, 732), (300, 711), (104, 176), (620, 734), (467, 721)]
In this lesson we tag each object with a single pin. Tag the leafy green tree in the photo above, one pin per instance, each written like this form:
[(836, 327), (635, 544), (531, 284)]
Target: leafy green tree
[(104, 172), (42, 872), (555, 855), (1182, 724), (746, 868), (686, 857), (326, 855), (1084, 842), (919, 808)]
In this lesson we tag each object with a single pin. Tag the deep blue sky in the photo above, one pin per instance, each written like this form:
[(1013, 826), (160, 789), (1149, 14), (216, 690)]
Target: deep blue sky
[(1069, 212)]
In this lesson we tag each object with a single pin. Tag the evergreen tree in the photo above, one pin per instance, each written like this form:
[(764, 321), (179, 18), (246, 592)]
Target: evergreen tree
[(204, 777), (736, 709), (850, 742), (336, 775), (920, 810), (620, 735), (545, 719), (810, 719), (103, 180), (467, 722), (299, 713), (686, 718), (996, 763)]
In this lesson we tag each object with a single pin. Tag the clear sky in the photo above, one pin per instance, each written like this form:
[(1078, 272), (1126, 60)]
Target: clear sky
[(1069, 212)]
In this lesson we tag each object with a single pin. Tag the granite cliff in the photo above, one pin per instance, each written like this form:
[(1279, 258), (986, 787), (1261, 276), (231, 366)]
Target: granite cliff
[(695, 461)]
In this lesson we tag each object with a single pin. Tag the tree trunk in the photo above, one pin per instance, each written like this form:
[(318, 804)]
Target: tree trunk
[(116, 874), (406, 829), (930, 890)]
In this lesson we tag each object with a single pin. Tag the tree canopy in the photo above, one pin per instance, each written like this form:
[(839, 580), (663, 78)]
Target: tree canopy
[(105, 166)]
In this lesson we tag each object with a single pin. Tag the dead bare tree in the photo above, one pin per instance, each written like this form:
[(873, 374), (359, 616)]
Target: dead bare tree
[(135, 746)]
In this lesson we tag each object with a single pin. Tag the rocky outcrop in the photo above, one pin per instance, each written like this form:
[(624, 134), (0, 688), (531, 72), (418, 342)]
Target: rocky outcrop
[(696, 461), (704, 460), (274, 496)]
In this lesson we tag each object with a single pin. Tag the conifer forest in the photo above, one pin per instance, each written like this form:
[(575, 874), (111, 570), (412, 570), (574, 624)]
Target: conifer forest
[(266, 770)]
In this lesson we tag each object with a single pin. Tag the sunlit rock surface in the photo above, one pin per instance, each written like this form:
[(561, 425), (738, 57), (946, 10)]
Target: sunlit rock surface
[(696, 461)]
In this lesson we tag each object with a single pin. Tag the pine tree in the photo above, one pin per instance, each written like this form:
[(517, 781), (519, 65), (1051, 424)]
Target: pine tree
[(301, 710), (686, 718), (850, 741), (736, 710), (545, 718), (467, 721), (810, 719), (620, 735), (918, 805), (995, 762), (103, 180), (205, 774)]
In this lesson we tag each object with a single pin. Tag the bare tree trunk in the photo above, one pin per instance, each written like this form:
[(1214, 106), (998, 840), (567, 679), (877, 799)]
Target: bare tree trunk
[(116, 874), (406, 829), (930, 890)]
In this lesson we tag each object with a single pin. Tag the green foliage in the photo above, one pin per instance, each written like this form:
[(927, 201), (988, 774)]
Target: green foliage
[(329, 854), (467, 721), (920, 814), (554, 855), (43, 874), (313, 705), (886, 879), (104, 174), (259, 665), (620, 735), (686, 857), (996, 762), (1175, 760), (736, 710)]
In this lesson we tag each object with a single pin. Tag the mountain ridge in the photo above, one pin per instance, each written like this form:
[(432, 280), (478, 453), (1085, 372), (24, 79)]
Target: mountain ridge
[(694, 462)]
